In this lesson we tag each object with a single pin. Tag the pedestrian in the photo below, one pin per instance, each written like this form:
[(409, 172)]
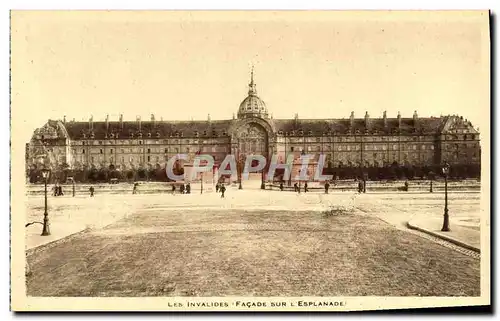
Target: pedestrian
[(61, 191), (281, 186), (91, 190), (217, 188), (327, 186), (406, 186), (134, 189), (56, 189), (222, 190), (182, 188), (305, 187), (173, 189), (188, 188), (360, 186), (295, 187)]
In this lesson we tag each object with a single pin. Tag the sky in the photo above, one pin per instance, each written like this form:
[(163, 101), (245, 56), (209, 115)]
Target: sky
[(186, 65)]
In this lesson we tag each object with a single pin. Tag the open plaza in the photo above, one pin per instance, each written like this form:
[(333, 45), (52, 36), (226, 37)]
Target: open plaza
[(253, 242)]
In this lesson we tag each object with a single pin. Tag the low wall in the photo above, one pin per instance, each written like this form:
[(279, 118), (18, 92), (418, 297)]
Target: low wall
[(166, 187)]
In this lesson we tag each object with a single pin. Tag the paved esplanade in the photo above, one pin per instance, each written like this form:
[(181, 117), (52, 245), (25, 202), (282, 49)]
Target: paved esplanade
[(70, 215)]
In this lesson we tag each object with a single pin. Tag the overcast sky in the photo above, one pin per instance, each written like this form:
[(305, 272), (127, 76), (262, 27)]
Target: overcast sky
[(181, 66)]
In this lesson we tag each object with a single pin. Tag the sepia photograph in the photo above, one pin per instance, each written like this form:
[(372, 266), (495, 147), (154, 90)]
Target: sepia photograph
[(249, 160)]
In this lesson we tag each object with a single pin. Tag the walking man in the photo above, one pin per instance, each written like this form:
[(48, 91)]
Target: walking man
[(305, 187), (281, 186), (134, 190), (188, 188), (222, 190), (327, 186), (217, 188), (91, 190), (295, 187)]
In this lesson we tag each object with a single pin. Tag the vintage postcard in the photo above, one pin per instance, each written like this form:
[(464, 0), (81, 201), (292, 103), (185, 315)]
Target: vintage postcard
[(249, 160)]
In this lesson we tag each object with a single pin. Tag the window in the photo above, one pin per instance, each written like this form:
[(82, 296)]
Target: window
[(111, 151), (166, 150), (100, 151), (149, 158), (92, 159), (423, 147), (111, 159), (149, 151), (83, 151), (291, 148), (123, 150), (140, 142), (394, 147), (414, 147), (83, 143), (432, 147), (123, 159), (100, 142)]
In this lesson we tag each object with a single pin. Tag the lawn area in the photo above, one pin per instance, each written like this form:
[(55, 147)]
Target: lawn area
[(250, 253)]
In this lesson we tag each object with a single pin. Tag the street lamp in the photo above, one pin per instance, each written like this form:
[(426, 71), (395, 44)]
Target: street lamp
[(446, 221), (240, 170), (46, 229)]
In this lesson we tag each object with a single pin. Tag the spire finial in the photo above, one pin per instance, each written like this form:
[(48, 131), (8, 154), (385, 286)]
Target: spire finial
[(251, 76), (251, 87)]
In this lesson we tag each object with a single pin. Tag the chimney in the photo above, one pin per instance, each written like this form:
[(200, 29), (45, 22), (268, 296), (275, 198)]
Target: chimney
[(153, 120), (64, 119), (352, 119), (385, 118), (138, 118), (415, 118), (233, 116), (208, 118), (121, 121), (367, 120), (91, 123), (107, 123), (399, 119)]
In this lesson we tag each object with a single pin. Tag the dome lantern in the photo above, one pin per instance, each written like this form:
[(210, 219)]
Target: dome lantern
[(252, 105)]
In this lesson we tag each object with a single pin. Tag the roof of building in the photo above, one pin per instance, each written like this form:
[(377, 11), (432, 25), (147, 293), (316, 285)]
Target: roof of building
[(314, 127)]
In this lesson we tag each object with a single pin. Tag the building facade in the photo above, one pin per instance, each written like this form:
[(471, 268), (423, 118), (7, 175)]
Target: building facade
[(349, 142)]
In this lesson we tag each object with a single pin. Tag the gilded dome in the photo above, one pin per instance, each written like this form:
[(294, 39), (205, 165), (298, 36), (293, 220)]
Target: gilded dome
[(252, 105)]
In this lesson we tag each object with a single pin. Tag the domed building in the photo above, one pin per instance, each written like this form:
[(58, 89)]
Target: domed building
[(366, 142), (252, 105)]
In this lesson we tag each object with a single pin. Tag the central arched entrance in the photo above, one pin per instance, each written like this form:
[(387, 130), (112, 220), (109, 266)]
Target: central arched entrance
[(252, 139)]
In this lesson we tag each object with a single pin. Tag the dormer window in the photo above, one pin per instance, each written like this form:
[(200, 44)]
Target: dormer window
[(224, 133), (177, 134), (84, 136), (117, 135), (204, 133), (280, 133), (158, 134), (310, 133), (149, 135), (131, 135), (214, 133), (301, 132), (111, 135), (182, 134), (92, 135), (139, 135), (196, 134)]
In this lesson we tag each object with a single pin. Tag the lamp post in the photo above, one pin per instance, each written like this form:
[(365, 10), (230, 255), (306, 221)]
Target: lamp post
[(240, 169), (446, 221), (201, 190), (46, 229)]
